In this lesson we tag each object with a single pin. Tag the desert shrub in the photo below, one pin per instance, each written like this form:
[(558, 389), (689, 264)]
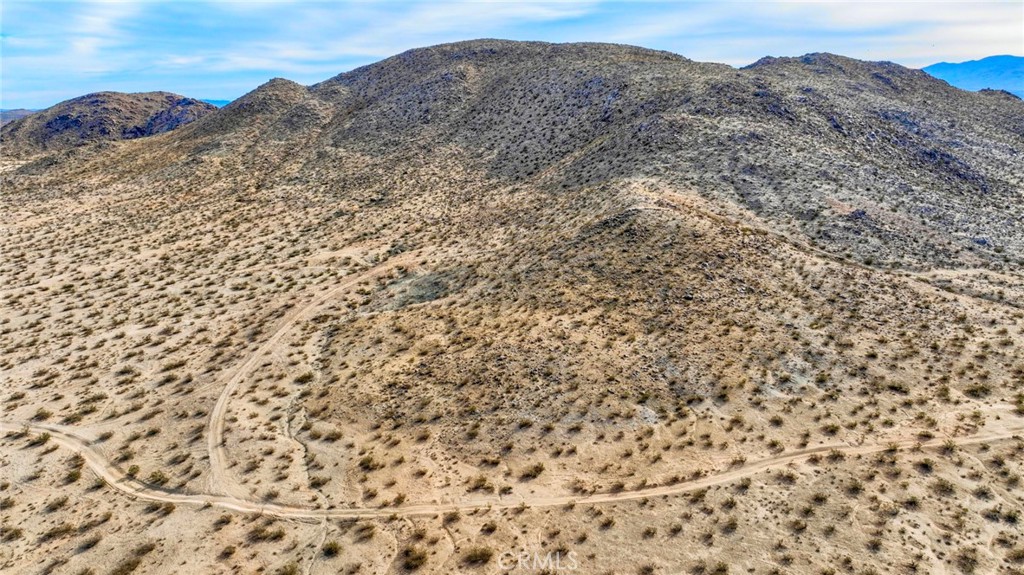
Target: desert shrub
[(478, 556), (532, 472), (62, 530), (966, 560), (943, 487), (127, 566), (89, 543), (263, 533), (332, 549), (413, 558)]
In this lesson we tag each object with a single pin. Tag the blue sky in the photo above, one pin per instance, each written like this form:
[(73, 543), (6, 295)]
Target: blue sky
[(52, 51)]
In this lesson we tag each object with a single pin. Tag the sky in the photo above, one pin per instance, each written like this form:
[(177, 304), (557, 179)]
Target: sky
[(52, 51)]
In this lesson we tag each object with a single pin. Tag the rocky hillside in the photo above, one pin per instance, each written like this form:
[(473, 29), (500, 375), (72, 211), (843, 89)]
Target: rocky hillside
[(870, 160), (102, 116)]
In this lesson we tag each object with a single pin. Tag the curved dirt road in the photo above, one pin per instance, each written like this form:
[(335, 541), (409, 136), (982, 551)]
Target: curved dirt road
[(215, 434), (118, 480)]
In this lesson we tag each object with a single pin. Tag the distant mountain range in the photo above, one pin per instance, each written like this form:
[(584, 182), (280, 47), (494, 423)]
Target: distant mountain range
[(994, 72), (12, 115)]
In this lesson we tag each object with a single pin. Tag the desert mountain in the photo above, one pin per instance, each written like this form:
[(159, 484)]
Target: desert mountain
[(493, 296), (7, 116), (861, 158), (993, 73), (218, 103), (103, 116)]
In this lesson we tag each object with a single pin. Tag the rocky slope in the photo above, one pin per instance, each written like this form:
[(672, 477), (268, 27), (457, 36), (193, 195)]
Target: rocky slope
[(871, 160), (103, 116)]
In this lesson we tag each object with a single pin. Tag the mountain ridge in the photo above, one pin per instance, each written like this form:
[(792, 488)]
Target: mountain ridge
[(521, 111), (1001, 72), (7, 116), (100, 116), (632, 102)]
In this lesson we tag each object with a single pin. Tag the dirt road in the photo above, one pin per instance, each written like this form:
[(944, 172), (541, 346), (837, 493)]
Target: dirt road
[(215, 434), (118, 479)]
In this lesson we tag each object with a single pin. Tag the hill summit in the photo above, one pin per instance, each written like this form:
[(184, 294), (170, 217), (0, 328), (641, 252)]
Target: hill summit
[(101, 116)]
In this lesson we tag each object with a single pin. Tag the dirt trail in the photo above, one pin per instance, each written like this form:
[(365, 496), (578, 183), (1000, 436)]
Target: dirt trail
[(118, 480), (217, 426)]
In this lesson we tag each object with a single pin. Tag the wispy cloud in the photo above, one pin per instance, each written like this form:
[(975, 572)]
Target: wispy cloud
[(58, 50)]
